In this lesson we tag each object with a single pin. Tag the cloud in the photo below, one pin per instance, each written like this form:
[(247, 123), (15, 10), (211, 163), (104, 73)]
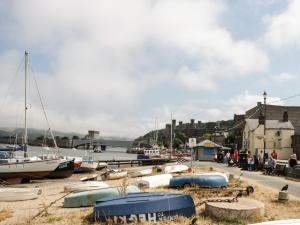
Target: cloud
[(96, 61), (284, 28), (284, 77)]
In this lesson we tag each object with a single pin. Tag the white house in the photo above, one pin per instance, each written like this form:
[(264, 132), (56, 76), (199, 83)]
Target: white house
[(278, 137)]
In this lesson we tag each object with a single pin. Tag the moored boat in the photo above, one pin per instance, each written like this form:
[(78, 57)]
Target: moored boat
[(18, 194), (155, 181), (176, 169), (85, 186), (149, 206), (65, 169), (88, 198)]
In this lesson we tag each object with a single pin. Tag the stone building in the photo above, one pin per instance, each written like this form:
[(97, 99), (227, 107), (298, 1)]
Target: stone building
[(278, 136)]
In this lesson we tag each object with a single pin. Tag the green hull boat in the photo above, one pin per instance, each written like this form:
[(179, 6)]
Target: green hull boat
[(89, 198)]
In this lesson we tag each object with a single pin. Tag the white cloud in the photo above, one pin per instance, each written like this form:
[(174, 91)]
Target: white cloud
[(92, 76), (283, 77), (284, 28)]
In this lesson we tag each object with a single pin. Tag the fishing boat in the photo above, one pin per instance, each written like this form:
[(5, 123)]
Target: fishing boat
[(85, 186), (65, 169), (16, 170), (176, 169), (18, 194), (141, 173), (149, 206), (83, 164), (88, 198), (155, 181), (211, 181), (114, 174)]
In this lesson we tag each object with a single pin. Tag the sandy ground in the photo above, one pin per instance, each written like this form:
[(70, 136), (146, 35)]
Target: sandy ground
[(23, 212)]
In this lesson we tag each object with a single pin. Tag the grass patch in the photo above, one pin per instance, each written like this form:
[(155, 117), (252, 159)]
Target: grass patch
[(5, 214)]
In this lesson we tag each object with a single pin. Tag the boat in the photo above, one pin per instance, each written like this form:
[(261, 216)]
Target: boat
[(83, 164), (211, 181), (91, 178), (176, 169), (214, 173), (114, 174), (18, 194), (141, 173), (101, 166), (155, 181), (85, 186), (280, 222), (65, 169), (88, 198), (15, 170), (97, 149), (149, 206)]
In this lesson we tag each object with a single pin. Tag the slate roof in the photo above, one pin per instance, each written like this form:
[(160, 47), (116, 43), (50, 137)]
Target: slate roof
[(270, 124)]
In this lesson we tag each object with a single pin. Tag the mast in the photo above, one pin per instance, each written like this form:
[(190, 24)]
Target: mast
[(25, 124), (171, 141)]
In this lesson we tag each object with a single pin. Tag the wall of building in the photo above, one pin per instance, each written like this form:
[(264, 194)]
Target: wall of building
[(282, 144)]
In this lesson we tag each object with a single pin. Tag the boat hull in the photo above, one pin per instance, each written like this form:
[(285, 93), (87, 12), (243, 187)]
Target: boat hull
[(88, 198), (212, 181), (64, 170), (136, 207), (29, 170)]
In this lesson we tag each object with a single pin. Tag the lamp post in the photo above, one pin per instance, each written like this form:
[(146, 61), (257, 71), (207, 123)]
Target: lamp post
[(265, 121)]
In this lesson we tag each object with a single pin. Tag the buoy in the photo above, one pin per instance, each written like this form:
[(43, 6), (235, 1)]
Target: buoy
[(283, 196), (231, 211)]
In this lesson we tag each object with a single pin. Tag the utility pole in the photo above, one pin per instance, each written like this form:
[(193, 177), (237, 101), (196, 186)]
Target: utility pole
[(265, 122), (171, 134)]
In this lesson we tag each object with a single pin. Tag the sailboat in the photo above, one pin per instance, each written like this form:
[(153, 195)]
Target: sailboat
[(16, 170)]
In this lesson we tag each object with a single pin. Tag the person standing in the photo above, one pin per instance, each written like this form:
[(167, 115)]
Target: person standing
[(260, 158), (274, 154), (236, 155)]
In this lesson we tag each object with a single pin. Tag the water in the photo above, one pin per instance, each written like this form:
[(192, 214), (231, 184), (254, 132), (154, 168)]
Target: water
[(109, 154)]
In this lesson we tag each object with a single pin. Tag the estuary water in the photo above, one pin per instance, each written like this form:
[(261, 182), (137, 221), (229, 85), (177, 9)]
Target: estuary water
[(108, 154)]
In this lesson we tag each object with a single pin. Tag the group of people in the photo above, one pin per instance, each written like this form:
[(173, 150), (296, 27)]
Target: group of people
[(257, 162)]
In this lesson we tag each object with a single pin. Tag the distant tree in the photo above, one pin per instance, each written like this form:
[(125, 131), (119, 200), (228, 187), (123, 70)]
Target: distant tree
[(75, 137), (65, 138)]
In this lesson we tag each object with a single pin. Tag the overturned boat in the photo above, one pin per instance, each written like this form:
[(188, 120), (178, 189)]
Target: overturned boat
[(149, 206), (88, 198), (176, 169), (141, 173), (85, 186), (210, 181), (18, 194), (155, 181), (114, 174)]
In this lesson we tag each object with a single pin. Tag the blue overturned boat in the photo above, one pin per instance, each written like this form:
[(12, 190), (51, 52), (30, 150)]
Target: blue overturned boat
[(149, 206), (210, 181)]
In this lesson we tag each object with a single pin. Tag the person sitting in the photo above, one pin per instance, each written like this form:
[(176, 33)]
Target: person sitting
[(293, 160), (271, 165)]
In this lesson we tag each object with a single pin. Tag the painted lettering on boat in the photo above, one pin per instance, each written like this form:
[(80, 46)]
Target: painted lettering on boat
[(151, 217), (63, 165)]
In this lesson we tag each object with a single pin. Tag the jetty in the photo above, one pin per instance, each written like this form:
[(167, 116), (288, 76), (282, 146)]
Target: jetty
[(136, 162)]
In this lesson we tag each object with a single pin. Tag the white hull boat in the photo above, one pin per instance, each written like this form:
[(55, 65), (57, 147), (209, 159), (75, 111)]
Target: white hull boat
[(19, 194), (85, 186), (155, 181), (114, 174), (16, 170), (141, 173), (176, 169)]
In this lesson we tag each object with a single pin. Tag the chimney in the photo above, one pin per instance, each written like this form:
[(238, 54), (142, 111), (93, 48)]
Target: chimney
[(285, 116), (192, 121), (261, 119)]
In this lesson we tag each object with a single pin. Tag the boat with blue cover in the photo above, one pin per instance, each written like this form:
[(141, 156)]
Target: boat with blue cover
[(88, 198), (212, 181), (149, 206)]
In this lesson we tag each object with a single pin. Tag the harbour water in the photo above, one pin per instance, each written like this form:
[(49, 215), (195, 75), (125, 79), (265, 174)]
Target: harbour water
[(110, 153)]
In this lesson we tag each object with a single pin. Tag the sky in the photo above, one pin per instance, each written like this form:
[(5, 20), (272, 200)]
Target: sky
[(115, 66)]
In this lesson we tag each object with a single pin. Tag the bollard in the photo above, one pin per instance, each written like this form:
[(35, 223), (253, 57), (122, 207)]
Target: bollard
[(283, 196)]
